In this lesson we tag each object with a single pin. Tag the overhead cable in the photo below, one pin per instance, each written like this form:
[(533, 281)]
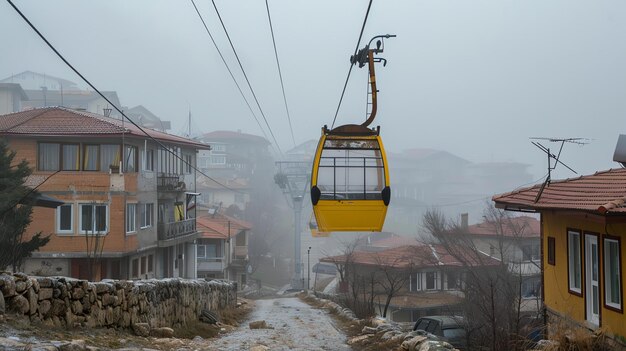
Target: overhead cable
[(109, 101), (280, 74), (246, 76), (351, 65), (228, 68)]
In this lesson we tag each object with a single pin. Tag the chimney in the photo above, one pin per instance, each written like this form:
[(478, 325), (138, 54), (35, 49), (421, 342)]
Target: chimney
[(464, 220)]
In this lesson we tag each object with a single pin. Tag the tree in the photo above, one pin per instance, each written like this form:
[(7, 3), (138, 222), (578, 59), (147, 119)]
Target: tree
[(16, 200), (492, 303), (391, 277)]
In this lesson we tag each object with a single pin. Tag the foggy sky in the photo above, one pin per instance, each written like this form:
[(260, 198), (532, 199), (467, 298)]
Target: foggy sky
[(475, 78)]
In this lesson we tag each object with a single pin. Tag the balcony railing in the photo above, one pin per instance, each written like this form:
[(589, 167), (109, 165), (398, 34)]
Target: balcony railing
[(211, 264), (241, 253), (173, 230), (168, 181)]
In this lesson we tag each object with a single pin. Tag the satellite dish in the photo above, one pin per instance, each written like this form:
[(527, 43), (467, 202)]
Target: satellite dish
[(620, 150)]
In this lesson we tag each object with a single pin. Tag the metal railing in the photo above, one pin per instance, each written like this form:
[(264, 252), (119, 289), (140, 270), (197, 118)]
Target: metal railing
[(241, 252), (168, 181), (173, 230)]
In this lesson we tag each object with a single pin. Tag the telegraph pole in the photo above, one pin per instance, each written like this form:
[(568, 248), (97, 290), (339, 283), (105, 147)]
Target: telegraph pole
[(293, 178)]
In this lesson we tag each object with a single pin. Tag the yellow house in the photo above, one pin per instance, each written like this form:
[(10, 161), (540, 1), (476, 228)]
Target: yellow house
[(583, 226)]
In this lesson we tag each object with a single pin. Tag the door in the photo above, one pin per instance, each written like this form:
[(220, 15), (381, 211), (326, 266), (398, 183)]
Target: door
[(592, 276)]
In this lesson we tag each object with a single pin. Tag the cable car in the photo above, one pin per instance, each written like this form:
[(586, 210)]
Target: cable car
[(350, 176), (315, 232)]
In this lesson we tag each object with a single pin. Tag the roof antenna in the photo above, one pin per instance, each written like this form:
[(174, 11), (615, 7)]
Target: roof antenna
[(552, 165)]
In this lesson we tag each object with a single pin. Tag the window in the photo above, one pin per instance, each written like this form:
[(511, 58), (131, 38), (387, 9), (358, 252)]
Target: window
[(218, 147), (90, 157), (612, 274), (415, 283), (149, 162), (65, 219), (146, 215), (93, 218), (492, 250), (150, 263), (201, 251), (135, 268), (531, 252), (551, 253), (71, 157), (188, 163), (531, 287), (109, 157), (218, 160), (131, 218), (130, 158), (453, 281), (143, 264), (48, 157), (431, 280), (574, 262)]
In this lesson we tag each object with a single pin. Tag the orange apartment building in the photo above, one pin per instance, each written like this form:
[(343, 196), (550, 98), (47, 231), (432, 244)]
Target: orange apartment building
[(126, 198)]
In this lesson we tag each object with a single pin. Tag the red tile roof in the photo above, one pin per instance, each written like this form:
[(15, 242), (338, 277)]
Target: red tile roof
[(61, 121), (226, 135), (217, 227), (602, 192), (523, 226), (416, 256)]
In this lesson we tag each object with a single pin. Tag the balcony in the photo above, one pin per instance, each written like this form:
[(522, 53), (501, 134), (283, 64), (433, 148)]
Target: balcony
[(172, 230), (215, 264), (241, 253), (170, 182)]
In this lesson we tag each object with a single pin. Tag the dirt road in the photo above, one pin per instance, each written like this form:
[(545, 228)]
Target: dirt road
[(297, 326)]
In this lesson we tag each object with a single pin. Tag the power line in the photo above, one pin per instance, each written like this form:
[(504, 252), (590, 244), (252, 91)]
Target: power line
[(351, 65), (280, 74), (109, 102), (245, 76), (229, 70)]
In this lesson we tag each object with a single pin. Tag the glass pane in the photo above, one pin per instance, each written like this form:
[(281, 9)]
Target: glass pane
[(101, 218), (110, 156), (86, 213), (612, 271), (49, 157), (70, 158), (201, 251), (594, 262), (65, 217), (90, 162), (595, 299), (142, 215), (130, 158)]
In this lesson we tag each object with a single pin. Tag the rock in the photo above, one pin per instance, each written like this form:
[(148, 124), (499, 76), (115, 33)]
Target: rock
[(359, 339), (77, 307), (20, 304), (259, 348), (414, 343), (2, 305), (20, 286), (45, 293), (197, 338), (8, 285), (163, 332), (78, 293), (259, 325), (75, 345), (44, 308), (141, 329), (368, 330), (45, 282)]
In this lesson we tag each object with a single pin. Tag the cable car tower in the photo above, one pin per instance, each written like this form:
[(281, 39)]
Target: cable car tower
[(553, 160)]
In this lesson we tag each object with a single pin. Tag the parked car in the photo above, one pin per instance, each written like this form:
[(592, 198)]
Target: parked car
[(448, 328), (322, 268)]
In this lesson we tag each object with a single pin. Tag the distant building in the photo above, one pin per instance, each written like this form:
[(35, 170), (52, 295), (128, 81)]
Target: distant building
[(41, 90), (128, 201), (222, 248), (426, 178)]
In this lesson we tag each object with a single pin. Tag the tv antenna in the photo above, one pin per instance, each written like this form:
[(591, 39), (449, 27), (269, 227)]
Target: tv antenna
[(554, 160)]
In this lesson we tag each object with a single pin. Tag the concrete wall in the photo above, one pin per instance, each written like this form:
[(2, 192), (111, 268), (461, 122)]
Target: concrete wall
[(67, 302)]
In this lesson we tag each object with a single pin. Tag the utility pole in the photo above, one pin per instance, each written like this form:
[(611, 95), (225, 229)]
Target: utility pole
[(293, 178), (308, 272)]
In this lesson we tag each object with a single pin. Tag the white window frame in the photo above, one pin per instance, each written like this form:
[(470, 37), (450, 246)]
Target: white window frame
[(608, 276), (146, 214), (203, 248), (131, 225), (93, 224), (418, 280), (571, 264), (435, 280), (58, 217)]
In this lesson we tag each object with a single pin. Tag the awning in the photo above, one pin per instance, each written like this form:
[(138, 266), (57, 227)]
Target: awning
[(42, 201)]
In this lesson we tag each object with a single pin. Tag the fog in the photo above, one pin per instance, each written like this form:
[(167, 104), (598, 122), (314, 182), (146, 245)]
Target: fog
[(475, 78)]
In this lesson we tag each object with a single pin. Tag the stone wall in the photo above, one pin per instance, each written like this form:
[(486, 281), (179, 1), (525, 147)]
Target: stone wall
[(62, 301)]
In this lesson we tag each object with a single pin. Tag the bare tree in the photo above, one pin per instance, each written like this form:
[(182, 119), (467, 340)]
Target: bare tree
[(492, 292), (392, 275)]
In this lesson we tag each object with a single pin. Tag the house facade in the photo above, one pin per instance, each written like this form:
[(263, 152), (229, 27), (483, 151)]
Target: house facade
[(430, 281), (222, 247), (127, 210), (516, 242), (583, 224)]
